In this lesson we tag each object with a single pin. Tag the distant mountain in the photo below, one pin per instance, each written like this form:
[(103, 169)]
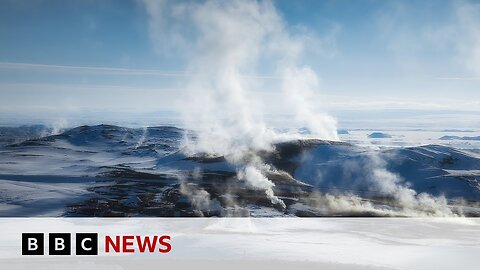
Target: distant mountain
[(465, 138), (379, 135)]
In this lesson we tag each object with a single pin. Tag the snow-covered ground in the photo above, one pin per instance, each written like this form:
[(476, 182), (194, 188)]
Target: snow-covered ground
[(108, 170), (270, 243), (40, 196)]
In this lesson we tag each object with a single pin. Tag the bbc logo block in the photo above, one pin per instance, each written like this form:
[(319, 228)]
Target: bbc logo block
[(60, 244), (32, 243), (87, 244)]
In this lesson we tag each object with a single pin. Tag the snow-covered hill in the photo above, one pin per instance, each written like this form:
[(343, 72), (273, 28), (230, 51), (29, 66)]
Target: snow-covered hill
[(108, 170)]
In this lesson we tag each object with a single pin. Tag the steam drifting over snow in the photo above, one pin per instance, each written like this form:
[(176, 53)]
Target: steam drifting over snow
[(225, 43), (229, 40), (145, 172), (228, 161)]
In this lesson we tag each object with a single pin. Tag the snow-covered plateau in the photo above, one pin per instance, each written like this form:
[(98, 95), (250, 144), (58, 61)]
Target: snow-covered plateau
[(108, 170)]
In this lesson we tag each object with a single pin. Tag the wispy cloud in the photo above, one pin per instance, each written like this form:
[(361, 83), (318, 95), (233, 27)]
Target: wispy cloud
[(110, 70)]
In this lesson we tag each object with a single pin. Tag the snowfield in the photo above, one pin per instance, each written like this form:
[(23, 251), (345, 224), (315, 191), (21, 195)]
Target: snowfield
[(109, 170), (269, 243)]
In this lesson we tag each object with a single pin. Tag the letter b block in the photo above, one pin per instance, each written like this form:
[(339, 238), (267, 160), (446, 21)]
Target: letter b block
[(32, 244), (59, 244)]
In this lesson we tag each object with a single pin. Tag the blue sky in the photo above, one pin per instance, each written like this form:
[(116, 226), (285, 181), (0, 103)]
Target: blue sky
[(59, 57)]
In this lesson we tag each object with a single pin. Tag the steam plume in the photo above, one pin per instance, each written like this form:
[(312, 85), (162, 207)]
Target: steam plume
[(226, 41)]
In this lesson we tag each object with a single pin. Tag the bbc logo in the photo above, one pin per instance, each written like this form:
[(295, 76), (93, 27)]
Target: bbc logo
[(59, 244)]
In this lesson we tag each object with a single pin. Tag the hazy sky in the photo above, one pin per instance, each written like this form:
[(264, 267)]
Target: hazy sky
[(60, 57)]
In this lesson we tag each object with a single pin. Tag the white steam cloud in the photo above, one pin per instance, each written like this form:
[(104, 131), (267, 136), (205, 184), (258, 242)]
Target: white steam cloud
[(227, 42), (411, 203), (362, 184)]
